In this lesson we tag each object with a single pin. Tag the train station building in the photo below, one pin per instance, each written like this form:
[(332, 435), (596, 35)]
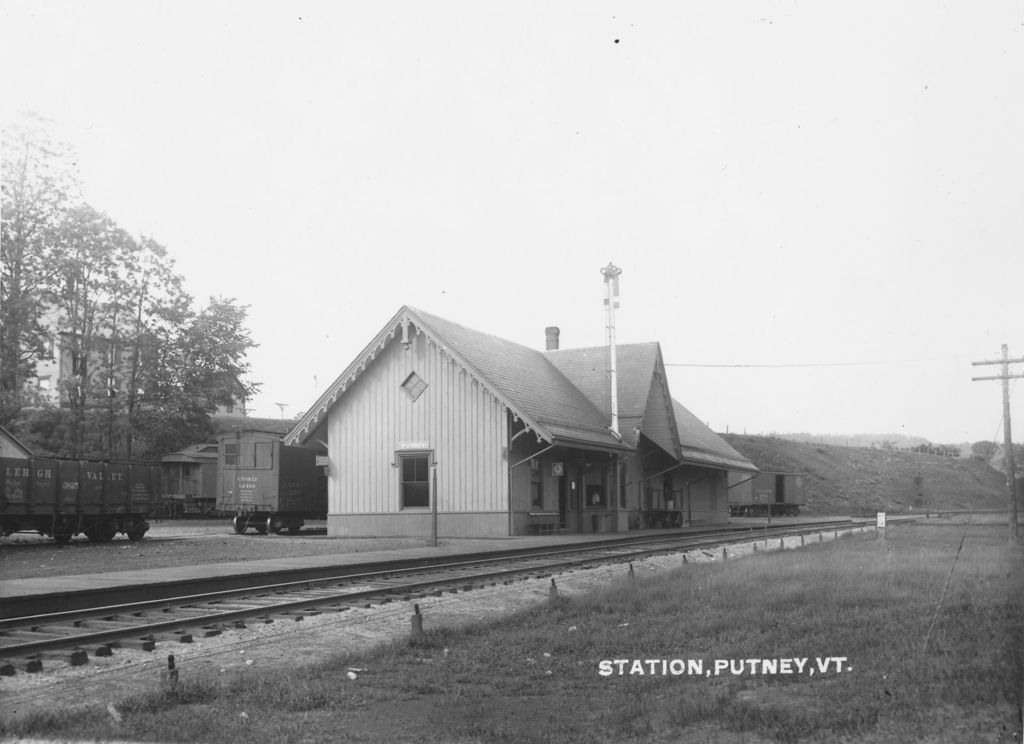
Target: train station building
[(436, 428)]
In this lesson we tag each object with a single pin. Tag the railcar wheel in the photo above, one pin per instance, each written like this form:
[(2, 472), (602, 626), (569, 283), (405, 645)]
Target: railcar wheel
[(274, 525), (136, 531), (240, 524), (104, 531), (62, 538)]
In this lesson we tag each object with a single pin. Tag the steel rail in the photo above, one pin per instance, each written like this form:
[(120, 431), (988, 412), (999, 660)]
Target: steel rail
[(560, 564), (469, 561)]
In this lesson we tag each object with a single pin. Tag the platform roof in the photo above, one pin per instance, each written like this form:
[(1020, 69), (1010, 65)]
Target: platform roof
[(701, 446)]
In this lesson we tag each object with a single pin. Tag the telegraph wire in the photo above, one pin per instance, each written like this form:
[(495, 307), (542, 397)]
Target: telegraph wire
[(816, 364)]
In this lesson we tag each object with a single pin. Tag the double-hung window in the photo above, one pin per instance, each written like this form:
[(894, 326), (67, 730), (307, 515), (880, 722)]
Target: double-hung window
[(415, 473), (536, 485)]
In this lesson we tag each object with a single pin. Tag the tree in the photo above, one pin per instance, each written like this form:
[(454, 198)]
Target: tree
[(201, 367), (158, 304), (140, 370), (39, 183), (91, 254), (984, 451)]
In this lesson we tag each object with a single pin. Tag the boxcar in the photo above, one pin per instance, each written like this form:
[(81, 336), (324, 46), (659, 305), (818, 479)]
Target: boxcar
[(64, 498), (766, 494), (268, 485)]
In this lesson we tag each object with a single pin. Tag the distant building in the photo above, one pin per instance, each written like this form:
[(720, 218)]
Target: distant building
[(55, 370), (438, 426)]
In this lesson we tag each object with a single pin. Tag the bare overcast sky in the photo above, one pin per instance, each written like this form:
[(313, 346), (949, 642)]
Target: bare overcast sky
[(781, 183)]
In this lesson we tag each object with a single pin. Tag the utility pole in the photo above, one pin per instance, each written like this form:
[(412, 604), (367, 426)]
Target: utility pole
[(1011, 474)]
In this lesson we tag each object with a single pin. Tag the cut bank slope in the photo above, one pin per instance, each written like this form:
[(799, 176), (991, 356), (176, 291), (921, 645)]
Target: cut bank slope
[(861, 480)]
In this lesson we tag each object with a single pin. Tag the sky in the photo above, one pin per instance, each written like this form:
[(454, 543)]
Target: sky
[(838, 186)]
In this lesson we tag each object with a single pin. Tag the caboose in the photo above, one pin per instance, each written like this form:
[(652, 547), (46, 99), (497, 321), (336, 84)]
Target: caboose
[(268, 485)]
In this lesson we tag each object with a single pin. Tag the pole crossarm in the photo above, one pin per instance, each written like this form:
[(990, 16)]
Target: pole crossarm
[(998, 361), (1011, 474)]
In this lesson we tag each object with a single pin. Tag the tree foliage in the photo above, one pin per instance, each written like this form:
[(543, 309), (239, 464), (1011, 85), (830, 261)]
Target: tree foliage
[(38, 186), (141, 370)]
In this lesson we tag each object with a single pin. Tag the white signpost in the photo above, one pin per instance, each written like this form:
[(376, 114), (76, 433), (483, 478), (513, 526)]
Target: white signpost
[(880, 526)]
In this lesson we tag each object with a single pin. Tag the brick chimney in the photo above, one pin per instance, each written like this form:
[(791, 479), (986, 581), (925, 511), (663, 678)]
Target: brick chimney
[(551, 335)]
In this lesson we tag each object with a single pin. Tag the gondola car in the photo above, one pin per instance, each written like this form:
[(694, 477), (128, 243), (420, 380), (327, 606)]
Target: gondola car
[(268, 485), (63, 498)]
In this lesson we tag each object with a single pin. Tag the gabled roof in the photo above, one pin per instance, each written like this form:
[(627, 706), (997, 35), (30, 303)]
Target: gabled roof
[(11, 446), (702, 446), (529, 381), (562, 395), (640, 375), (225, 424), (194, 453), (523, 379)]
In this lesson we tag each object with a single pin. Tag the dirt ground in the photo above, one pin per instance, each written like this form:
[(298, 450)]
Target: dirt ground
[(175, 543)]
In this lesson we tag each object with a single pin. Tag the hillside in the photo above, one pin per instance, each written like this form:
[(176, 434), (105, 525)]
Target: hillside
[(861, 480)]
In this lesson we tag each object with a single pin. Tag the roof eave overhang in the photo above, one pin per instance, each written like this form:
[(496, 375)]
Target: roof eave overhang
[(582, 444), (192, 459), (405, 317), (723, 464)]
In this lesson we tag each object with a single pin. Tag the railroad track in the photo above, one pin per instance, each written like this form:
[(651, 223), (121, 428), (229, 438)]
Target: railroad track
[(29, 641)]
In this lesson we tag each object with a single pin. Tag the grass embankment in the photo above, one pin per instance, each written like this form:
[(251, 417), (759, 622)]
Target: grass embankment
[(536, 676), (861, 480)]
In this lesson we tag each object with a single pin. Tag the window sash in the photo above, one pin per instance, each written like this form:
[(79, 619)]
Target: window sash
[(415, 480)]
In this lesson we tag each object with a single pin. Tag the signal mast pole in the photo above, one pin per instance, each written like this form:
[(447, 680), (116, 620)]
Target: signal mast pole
[(611, 301), (1011, 475)]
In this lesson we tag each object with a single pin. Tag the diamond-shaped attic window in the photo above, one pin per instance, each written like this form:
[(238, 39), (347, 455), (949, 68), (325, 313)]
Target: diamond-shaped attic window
[(414, 385)]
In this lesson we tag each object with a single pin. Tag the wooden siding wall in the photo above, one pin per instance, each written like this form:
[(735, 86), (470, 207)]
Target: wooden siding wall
[(707, 497), (462, 423), (707, 491), (520, 476)]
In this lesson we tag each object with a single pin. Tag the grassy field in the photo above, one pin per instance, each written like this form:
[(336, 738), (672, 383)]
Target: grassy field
[(852, 617)]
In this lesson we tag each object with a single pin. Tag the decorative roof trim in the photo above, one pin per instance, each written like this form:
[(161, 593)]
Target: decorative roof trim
[(405, 317), (659, 373)]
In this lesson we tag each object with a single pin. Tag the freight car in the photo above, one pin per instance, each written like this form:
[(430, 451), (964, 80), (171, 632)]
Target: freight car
[(268, 485), (64, 498), (766, 494), (190, 481)]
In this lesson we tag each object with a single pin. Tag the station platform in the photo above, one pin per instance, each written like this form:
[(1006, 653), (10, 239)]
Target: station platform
[(91, 583), (74, 591)]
